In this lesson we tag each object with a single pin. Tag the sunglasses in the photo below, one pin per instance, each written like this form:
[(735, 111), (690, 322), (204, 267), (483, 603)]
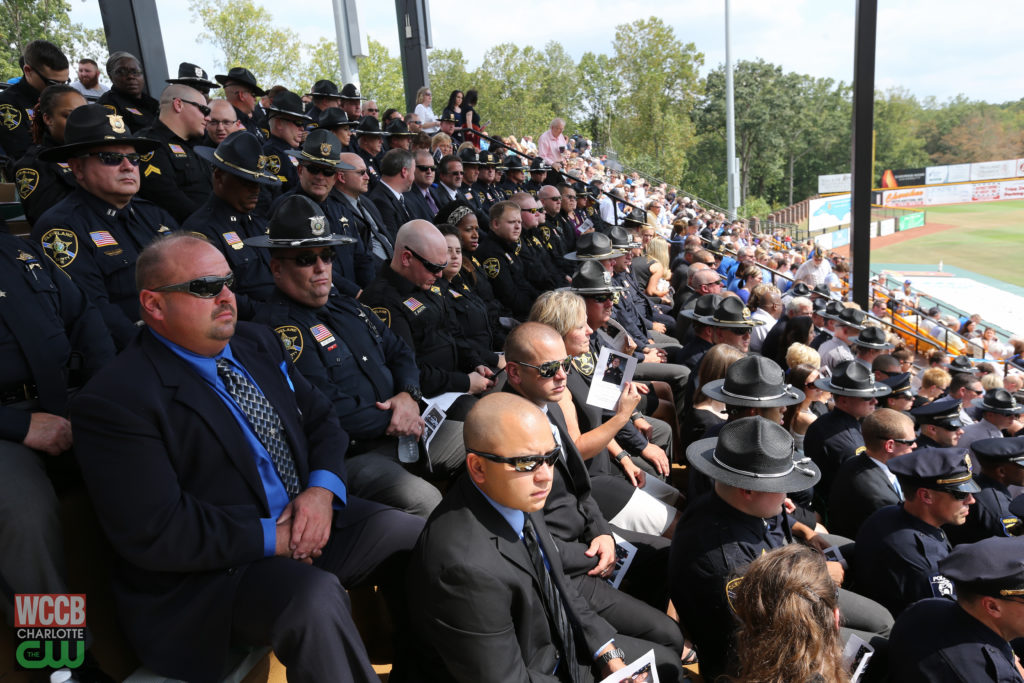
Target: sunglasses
[(524, 463), (114, 158), (906, 442), (217, 123), (548, 369), (426, 169), (959, 495), (373, 111), (532, 210), (601, 298), (307, 260), (455, 173), (358, 171), (431, 267), (320, 170), (50, 81), (203, 109), (205, 287)]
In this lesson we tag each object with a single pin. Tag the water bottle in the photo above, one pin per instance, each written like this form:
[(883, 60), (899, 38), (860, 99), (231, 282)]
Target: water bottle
[(408, 449), (63, 676)]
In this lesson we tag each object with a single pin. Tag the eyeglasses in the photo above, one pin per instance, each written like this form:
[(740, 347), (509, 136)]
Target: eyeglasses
[(532, 210), (569, 196), (320, 170), (373, 111), (548, 369), (205, 287), (217, 123), (524, 463), (906, 442), (959, 495), (432, 267), (203, 109), (307, 260), (49, 81), (426, 169), (455, 173), (124, 71), (600, 298), (114, 158), (976, 392), (358, 171)]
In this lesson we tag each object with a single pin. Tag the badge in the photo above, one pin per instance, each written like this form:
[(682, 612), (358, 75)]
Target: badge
[(147, 157), (10, 116), (434, 289), (322, 334), (273, 164), (103, 238), (117, 123), (730, 591), (317, 225), (941, 587), (26, 179), (492, 267), (61, 245), (113, 252), (413, 304), (199, 72), (177, 149), (233, 241), (584, 363), (967, 461), (261, 163), (291, 340), (382, 313), (325, 149), (31, 263)]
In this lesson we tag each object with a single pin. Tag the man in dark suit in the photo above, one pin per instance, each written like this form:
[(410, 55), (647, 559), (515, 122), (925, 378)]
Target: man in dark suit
[(396, 178), (490, 601), (360, 211), (217, 472), (419, 199), (864, 483)]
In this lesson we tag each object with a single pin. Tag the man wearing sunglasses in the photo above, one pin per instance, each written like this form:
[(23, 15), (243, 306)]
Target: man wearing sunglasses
[(175, 178), (95, 234), (349, 192), (44, 65), (215, 469), (287, 120)]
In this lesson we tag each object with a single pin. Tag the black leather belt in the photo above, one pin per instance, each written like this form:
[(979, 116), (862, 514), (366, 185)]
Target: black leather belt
[(16, 393)]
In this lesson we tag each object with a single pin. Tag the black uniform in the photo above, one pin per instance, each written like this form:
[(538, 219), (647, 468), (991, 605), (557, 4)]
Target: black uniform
[(372, 166), (255, 124), (173, 176), (41, 184), (473, 317), (97, 245), (500, 261), (484, 196), (830, 441), (540, 268), (990, 514), (421, 319), (137, 113), (280, 164), (16, 107)]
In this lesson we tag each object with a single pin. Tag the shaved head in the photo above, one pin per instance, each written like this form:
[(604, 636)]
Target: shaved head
[(499, 420), (521, 343)]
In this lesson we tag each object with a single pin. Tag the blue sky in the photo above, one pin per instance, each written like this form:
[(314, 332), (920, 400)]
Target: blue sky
[(937, 48)]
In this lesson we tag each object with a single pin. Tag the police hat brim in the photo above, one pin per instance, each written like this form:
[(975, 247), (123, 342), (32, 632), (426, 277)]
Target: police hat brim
[(261, 177), (869, 345), (789, 396), (200, 84), (319, 161), (734, 324), (273, 112), (980, 403), (701, 454), (265, 242), (586, 291), (878, 389), (575, 256), (65, 152), (225, 81)]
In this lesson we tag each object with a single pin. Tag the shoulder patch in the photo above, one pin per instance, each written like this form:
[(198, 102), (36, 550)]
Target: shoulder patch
[(274, 164), (147, 157), (382, 313), (291, 340), (10, 116), (730, 592), (61, 245), (1010, 525), (492, 267), (233, 240), (27, 179), (102, 238), (942, 587), (585, 363)]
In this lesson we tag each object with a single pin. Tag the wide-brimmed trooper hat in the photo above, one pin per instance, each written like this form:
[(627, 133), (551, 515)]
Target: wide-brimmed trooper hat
[(288, 105), (621, 239), (298, 222), (731, 312), (872, 338), (595, 246), (705, 305), (240, 154), (321, 148), (334, 118), (753, 382), (851, 378), (194, 77), (325, 88), (93, 125), (241, 76), (593, 278), (998, 401)]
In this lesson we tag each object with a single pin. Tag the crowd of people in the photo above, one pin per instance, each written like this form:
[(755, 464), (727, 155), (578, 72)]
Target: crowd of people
[(290, 350)]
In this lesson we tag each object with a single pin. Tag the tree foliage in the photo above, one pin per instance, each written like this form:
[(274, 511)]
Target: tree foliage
[(22, 21), (380, 77)]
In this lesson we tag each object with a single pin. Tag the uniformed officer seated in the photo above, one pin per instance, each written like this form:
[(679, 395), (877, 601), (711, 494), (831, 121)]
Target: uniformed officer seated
[(95, 234), (999, 411), (1001, 464), (127, 96), (938, 640), (939, 423), (347, 352), (43, 64), (899, 547)]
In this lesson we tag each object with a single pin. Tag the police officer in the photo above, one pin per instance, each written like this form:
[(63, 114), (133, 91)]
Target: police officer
[(337, 121), (227, 218), (657, 325), (351, 104), (1002, 465), (44, 65), (482, 186), (196, 78), (325, 97), (899, 547), (554, 225), (399, 136), (287, 129), (538, 254), (939, 640), (538, 175), (174, 177), (999, 411), (515, 176), (242, 91), (471, 165), (127, 96), (370, 145), (96, 232), (499, 256), (938, 423), (848, 323)]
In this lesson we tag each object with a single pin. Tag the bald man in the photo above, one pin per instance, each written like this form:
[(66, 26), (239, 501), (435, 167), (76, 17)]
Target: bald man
[(402, 296), (487, 545)]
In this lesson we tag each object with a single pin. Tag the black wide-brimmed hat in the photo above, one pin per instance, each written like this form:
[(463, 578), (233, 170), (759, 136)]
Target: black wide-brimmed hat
[(733, 313), (638, 217), (621, 239), (942, 469), (753, 382), (756, 454), (822, 291), (538, 165), (325, 88), (369, 125), (871, 338), (593, 246), (487, 158), (93, 125), (321, 148), (593, 278), (447, 117), (334, 118), (194, 77), (298, 222), (241, 76), (240, 154), (397, 128), (851, 378), (961, 364), (799, 289), (350, 92), (704, 305), (998, 401), (289, 105), (470, 157), (514, 163)]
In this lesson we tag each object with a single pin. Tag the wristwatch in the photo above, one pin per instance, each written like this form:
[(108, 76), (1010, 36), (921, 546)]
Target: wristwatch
[(615, 653), (413, 391)]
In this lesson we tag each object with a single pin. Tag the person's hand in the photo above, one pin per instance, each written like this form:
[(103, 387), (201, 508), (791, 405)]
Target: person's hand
[(603, 547), (48, 433), (478, 383), (637, 477), (655, 455), (629, 399), (659, 327), (835, 570), (484, 370), (652, 356), (789, 506), (642, 388), (405, 415), (817, 542), (310, 515), (645, 427)]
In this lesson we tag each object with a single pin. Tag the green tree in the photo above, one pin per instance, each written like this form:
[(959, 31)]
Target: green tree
[(899, 131), (323, 63), (447, 69), (510, 87), (22, 21), (598, 90), (380, 76)]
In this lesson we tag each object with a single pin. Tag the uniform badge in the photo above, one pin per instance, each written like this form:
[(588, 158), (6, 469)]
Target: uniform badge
[(273, 164), (233, 240), (291, 340), (492, 267), (317, 225), (103, 238), (382, 313), (32, 263), (322, 335), (941, 587), (413, 304), (199, 72), (730, 592), (150, 170), (176, 149), (10, 116), (117, 123), (261, 163), (434, 289), (547, 232), (967, 461), (26, 179), (585, 363), (325, 149), (147, 157), (61, 245)]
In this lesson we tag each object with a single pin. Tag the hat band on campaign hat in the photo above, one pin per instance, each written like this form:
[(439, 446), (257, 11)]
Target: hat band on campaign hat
[(794, 465), (255, 174), (785, 393), (314, 159)]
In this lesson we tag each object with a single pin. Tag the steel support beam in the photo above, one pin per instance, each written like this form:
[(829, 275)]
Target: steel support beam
[(861, 154), (133, 26), (413, 42)]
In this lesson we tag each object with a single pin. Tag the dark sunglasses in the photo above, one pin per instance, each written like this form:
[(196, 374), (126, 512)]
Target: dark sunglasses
[(307, 260), (114, 158), (358, 171), (432, 267), (601, 298), (426, 169), (959, 495), (455, 173), (532, 210), (203, 109), (320, 170), (50, 81), (906, 442), (548, 369), (524, 463), (373, 111), (205, 287)]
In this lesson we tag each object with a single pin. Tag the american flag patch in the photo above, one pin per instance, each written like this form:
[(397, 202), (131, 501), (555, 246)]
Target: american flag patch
[(176, 149), (134, 111), (102, 238), (322, 334), (232, 237), (412, 304)]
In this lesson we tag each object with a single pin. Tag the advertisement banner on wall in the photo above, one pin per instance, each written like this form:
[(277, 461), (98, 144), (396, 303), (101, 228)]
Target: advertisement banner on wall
[(904, 177), (1013, 190), (911, 220), (994, 170), (833, 184), (1020, 167), (953, 194), (828, 212), (909, 198)]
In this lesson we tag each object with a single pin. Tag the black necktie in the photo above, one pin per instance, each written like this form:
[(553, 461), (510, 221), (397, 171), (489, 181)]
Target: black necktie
[(375, 232), (553, 602), (265, 422), (405, 212)]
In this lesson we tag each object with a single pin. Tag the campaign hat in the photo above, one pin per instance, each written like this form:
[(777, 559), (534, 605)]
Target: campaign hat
[(871, 337), (289, 105), (350, 92), (94, 125), (298, 222), (333, 118), (851, 378), (325, 88), (593, 278), (753, 382), (705, 305), (593, 245), (369, 125), (321, 148), (731, 312), (194, 77), (998, 401), (241, 155), (621, 239), (241, 76)]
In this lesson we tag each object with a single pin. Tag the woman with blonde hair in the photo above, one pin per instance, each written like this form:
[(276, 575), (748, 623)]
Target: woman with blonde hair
[(428, 122), (788, 611), (440, 146), (798, 417)]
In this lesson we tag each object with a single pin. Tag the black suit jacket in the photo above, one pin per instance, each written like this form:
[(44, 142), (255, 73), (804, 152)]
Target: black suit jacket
[(475, 598), (441, 197), (177, 492), (391, 210), (356, 219), (860, 488), (417, 204)]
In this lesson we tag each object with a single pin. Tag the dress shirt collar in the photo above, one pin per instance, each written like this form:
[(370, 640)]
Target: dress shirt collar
[(515, 518)]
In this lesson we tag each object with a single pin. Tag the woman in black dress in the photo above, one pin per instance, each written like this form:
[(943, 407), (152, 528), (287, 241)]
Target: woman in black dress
[(470, 310), (454, 107)]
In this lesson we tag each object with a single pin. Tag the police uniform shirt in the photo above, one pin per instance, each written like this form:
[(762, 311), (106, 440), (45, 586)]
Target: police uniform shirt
[(833, 352), (421, 319), (500, 262), (41, 184), (484, 197), (280, 164), (51, 336), (348, 353), (253, 124), (472, 316), (538, 262), (829, 442), (936, 641), (17, 104), (822, 336), (137, 113), (173, 176), (989, 516), (898, 559), (982, 429), (97, 245)]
